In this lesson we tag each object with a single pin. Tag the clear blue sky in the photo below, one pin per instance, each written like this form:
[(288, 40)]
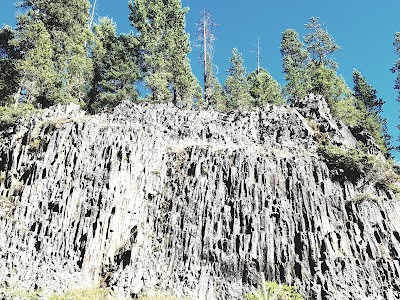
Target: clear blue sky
[(364, 30)]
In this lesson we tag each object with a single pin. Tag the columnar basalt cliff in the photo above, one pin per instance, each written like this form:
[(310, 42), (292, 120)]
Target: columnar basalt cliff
[(151, 197)]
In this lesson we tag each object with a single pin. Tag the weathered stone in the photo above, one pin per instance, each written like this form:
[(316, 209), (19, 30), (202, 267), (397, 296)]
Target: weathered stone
[(193, 202), (315, 109)]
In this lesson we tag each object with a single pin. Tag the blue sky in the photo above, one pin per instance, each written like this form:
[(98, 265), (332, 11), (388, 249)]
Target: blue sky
[(364, 30)]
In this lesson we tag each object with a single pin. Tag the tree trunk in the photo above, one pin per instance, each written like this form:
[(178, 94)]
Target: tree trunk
[(258, 56), (263, 289), (92, 14), (206, 96), (16, 96)]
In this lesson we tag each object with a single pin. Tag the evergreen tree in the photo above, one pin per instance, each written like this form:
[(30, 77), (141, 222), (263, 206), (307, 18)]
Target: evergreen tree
[(185, 85), (236, 85), (396, 66), (62, 27), (115, 66), (324, 79), (164, 46), (220, 98), (9, 75), (209, 81), (214, 91), (366, 94), (37, 66), (370, 107), (320, 45), (295, 59), (148, 20), (264, 89), (312, 70), (326, 82), (305, 76)]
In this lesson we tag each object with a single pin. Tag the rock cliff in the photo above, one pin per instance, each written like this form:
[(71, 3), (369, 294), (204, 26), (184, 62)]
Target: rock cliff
[(193, 202)]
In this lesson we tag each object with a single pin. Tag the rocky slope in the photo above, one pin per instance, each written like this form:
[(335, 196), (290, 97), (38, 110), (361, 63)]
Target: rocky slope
[(197, 203)]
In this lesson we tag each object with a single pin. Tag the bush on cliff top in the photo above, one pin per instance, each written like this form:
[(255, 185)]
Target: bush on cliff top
[(352, 163), (10, 114)]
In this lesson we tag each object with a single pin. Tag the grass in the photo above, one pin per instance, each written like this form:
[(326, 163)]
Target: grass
[(86, 294), (161, 296), (20, 294), (276, 291)]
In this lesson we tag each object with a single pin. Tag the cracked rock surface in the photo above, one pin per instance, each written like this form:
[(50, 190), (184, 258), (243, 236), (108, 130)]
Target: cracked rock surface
[(193, 202)]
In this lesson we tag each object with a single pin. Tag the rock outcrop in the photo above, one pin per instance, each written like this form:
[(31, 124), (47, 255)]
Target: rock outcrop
[(194, 202)]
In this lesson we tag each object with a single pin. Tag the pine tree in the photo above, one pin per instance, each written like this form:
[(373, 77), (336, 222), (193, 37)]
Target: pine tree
[(366, 94), (214, 91), (9, 75), (185, 85), (326, 82), (295, 59), (37, 66), (370, 107), (264, 88), (236, 85), (312, 70), (396, 66), (164, 46), (147, 19), (63, 27), (320, 45), (220, 99), (115, 66)]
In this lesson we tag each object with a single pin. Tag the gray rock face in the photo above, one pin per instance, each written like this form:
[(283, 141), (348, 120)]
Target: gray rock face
[(197, 203)]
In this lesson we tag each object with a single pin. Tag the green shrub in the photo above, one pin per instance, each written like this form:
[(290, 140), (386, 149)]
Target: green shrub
[(10, 114), (350, 163), (18, 294), (385, 177), (354, 163), (35, 145), (160, 296), (276, 291), (3, 177), (359, 197), (395, 188)]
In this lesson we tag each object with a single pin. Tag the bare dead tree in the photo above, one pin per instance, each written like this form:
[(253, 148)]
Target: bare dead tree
[(92, 14), (258, 56), (206, 37)]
